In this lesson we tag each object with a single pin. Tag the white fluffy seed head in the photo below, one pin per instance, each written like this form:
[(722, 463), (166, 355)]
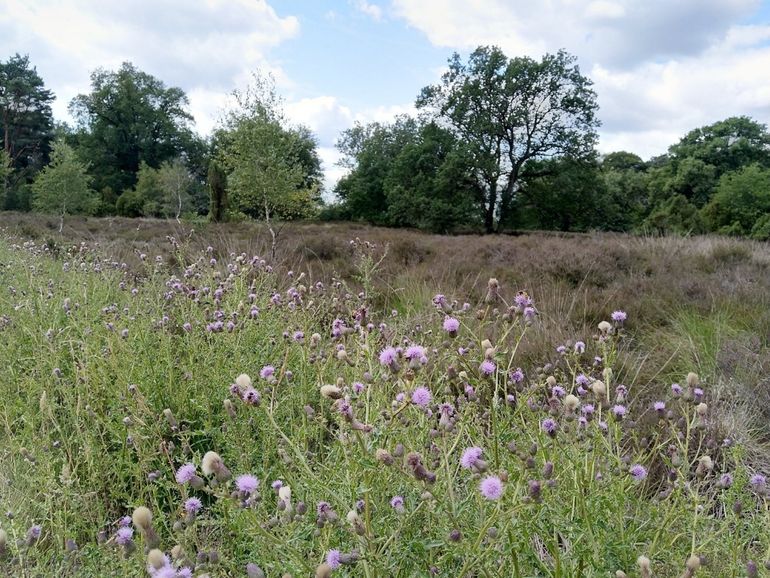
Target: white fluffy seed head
[(156, 559), (284, 492), (693, 563), (701, 408), (210, 463), (644, 563), (331, 391), (142, 518), (692, 379), (551, 381), (598, 388), (605, 326), (571, 402), (243, 381)]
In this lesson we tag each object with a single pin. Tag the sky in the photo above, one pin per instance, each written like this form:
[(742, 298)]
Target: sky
[(660, 67)]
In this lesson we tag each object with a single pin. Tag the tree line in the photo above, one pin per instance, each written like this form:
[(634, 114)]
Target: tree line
[(498, 144)]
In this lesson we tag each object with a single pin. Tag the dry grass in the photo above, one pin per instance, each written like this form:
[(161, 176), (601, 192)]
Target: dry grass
[(699, 303)]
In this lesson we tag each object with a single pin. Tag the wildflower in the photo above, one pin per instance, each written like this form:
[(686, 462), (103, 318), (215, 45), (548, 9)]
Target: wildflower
[(333, 559), (571, 402), (389, 357), (397, 503), (267, 372), (517, 375), (561, 350), (421, 396), (451, 326), (605, 327), (725, 480), (243, 381), (471, 457), (247, 483), (659, 406), (491, 488), (676, 389), (487, 367), (580, 347), (599, 388), (549, 426), (558, 391), (619, 316), (192, 505), (581, 379), (331, 391), (212, 464), (638, 472), (185, 473), (758, 483), (124, 536), (416, 356), (619, 411), (692, 380)]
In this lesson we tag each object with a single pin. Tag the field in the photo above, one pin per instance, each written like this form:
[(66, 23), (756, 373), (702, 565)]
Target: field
[(194, 400)]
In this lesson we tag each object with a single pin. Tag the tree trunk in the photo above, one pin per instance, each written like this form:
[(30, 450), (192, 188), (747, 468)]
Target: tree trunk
[(489, 214)]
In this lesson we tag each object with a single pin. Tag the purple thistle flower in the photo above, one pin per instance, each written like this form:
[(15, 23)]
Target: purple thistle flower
[(388, 356), (558, 391), (470, 457), (333, 559), (619, 316), (397, 503), (758, 482), (267, 372), (192, 505), (588, 409), (416, 352), (638, 472), (358, 387), (487, 367), (549, 426), (725, 480), (451, 325), (185, 473), (124, 535), (491, 488), (581, 379), (277, 485), (517, 375), (421, 396), (676, 389), (561, 350), (247, 483), (659, 406), (619, 411), (580, 347)]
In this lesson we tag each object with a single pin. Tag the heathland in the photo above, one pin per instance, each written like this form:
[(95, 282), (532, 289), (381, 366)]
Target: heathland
[(200, 400)]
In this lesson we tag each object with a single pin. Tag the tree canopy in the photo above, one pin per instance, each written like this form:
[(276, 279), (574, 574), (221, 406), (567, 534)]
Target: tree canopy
[(511, 111), (64, 186), (128, 118), (27, 122)]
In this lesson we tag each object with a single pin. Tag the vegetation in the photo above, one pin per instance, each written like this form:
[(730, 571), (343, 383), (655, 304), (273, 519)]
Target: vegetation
[(516, 435), (500, 144)]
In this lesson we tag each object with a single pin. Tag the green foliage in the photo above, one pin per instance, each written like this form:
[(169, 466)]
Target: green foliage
[(64, 187), (674, 215), (513, 111), (273, 169), (97, 421), (130, 118), (26, 122), (6, 170), (742, 198), (761, 229), (625, 185), (176, 186), (563, 194)]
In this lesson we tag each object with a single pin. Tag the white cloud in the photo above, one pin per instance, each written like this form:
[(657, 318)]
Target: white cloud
[(660, 68), (372, 10), (206, 47)]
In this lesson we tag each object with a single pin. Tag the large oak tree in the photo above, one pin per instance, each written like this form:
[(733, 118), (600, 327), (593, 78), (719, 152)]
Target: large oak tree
[(510, 111)]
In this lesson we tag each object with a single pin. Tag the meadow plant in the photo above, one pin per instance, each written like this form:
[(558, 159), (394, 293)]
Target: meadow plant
[(369, 445)]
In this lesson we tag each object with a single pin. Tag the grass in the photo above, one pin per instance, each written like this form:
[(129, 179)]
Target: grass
[(108, 392)]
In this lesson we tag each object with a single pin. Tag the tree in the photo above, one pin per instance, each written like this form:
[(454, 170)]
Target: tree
[(370, 151), (217, 179), (511, 112), (130, 117), (176, 184), (741, 200), (64, 186), (27, 121), (6, 170), (566, 196), (273, 169)]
